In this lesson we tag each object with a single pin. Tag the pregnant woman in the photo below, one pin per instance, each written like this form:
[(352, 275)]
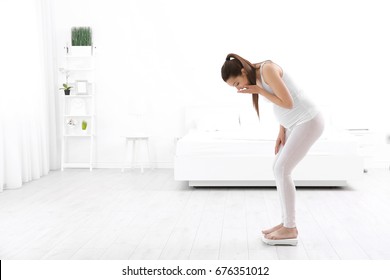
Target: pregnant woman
[(301, 124)]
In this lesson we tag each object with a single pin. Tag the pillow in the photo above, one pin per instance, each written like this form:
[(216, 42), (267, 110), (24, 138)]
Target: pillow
[(218, 121), (248, 118)]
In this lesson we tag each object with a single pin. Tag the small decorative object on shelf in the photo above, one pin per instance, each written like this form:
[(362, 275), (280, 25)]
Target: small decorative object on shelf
[(66, 89), (72, 122), (71, 126), (84, 126), (81, 41), (81, 87)]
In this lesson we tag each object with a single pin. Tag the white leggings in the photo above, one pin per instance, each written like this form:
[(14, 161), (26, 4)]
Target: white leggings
[(298, 142)]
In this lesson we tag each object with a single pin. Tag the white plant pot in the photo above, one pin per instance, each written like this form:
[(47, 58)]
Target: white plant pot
[(81, 50)]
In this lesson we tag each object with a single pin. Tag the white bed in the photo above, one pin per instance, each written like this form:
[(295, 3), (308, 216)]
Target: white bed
[(224, 153)]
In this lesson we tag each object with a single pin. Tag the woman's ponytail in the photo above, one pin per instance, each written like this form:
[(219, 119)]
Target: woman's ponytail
[(232, 68)]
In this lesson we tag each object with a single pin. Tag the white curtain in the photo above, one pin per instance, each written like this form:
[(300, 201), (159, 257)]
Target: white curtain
[(28, 137)]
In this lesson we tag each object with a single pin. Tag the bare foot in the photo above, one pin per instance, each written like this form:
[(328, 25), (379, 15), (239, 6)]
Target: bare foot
[(283, 233), (267, 231)]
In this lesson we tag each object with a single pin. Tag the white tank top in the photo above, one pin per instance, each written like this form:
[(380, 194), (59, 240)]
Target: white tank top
[(303, 109)]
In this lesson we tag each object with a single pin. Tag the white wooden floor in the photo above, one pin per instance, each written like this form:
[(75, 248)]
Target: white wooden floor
[(106, 214)]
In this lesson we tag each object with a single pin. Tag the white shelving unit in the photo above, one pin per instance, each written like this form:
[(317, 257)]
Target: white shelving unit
[(77, 107)]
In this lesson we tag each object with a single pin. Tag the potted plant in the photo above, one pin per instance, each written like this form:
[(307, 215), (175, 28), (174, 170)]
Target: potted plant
[(84, 125), (66, 89), (81, 41)]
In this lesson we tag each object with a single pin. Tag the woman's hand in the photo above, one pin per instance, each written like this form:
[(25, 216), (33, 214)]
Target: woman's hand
[(280, 140), (251, 89)]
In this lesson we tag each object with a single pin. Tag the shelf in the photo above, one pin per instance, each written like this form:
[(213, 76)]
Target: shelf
[(78, 96), (77, 135), (84, 116), (80, 56), (80, 69)]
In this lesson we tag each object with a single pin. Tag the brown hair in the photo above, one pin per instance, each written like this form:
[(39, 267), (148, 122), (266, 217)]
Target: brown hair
[(232, 68)]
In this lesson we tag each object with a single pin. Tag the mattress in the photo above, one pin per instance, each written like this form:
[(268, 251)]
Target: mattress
[(251, 142)]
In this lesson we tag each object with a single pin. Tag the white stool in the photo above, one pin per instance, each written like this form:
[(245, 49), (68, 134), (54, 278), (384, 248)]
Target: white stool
[(134, 139)]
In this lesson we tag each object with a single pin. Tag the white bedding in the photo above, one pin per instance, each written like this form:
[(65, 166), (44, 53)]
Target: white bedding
[(253, 142)]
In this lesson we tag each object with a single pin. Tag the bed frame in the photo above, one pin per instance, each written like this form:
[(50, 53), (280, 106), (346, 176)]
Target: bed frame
[(314, 170), (248, 171)]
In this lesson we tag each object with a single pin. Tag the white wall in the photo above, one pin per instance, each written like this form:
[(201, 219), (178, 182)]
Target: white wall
[(164, 55)]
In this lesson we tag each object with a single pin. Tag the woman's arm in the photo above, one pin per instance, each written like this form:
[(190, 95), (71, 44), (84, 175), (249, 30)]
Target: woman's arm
[(272, 77), (281, 139)]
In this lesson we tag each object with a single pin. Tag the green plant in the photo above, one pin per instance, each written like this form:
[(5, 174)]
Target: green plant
[(84, 125), (65, 87), (81, 36)]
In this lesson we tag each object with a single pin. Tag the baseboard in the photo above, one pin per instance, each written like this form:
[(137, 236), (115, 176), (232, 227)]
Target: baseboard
[(378, 164), (117, 165), (268, 183)]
